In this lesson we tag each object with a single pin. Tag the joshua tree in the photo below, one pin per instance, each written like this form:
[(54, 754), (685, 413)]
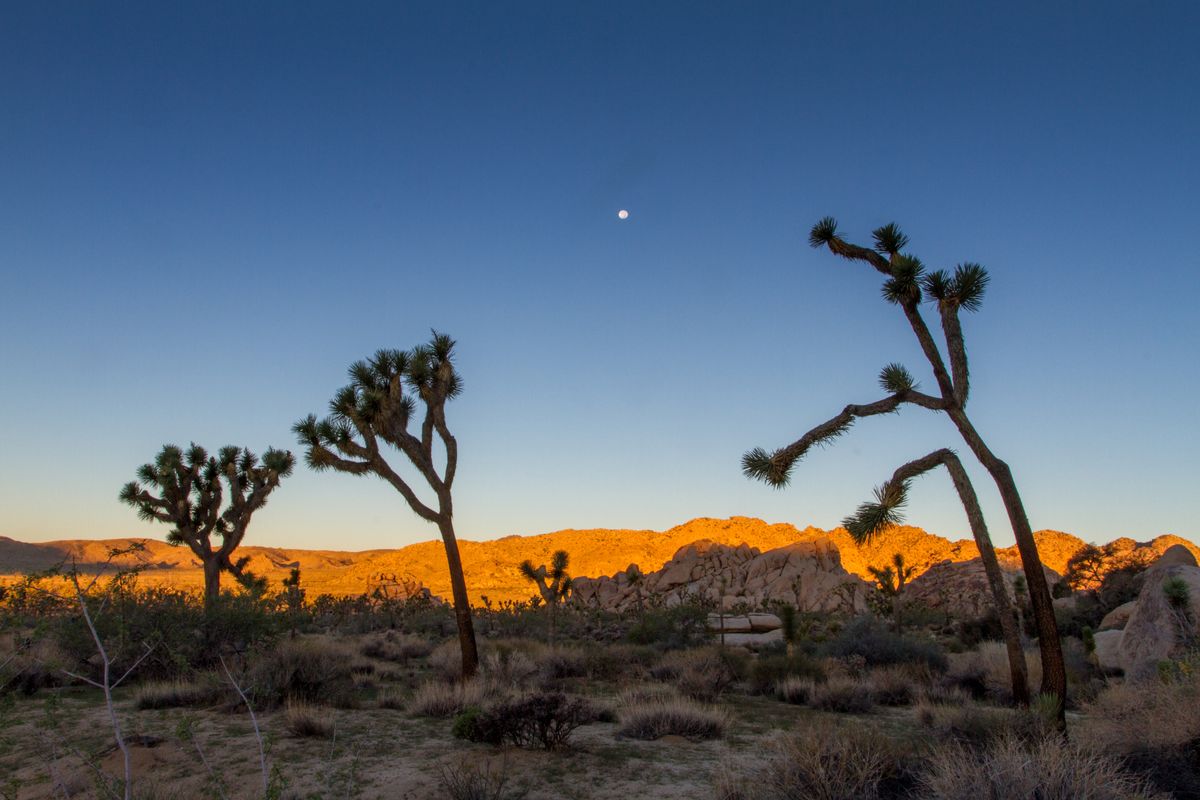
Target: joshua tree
[(872, 518), (906, 284), (184, 489), (892, 579), (376, 410), (553, 584)]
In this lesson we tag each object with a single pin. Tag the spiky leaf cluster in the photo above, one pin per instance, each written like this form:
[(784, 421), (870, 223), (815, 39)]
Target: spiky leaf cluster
[(824, 232), (965, 289), (873, 518), (763, 466), (904, 285), (895, 379), (889, 240)]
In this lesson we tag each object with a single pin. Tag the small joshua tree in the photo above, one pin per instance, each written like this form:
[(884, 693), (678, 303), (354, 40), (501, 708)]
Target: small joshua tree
[(906, 285), (187, 489), (892, 580), (553, 584), (375, 411)]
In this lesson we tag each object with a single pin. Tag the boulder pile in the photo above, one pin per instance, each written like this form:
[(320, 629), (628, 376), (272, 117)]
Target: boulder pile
[(808, 575)]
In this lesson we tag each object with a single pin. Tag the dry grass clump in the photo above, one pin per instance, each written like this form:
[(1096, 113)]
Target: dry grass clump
[(839, 763), (798, 691), (308, 721), (1129, 717), (446, 661), (437, 699), (391, 700), (984, 671), (679, 716), (1049, 769), (842, 695), (646, 693), (703, 675), (177, 694), (559, 664), (509, 667), (965, 722), (895, 685)]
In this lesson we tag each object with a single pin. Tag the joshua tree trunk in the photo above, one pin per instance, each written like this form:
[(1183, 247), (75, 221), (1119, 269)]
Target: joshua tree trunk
[(462, 604), (212, 580), (995, 578), (1054, 676)]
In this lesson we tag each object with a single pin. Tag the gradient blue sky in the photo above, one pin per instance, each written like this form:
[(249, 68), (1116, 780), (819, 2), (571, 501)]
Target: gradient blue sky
[(208, 211)]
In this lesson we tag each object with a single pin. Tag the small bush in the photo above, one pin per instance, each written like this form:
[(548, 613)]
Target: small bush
[(561, 663), (871, 640), (702, 675), (678, 717), (893, 686), (508, 666), (441, 700), (397, 647), (391, 700), (985, 673), (307, 721), (537, 719), (967, 723), (675, 628), (1050, 769), (842, 695), (798, 691), (616, 661), (470, 781)]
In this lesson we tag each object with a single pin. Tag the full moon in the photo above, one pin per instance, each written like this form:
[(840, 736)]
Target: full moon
[(622, 214)]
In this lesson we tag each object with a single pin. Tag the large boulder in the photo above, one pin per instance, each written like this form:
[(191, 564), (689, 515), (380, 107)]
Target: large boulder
[(1156, 629), (1108, 650), (1118, 618)]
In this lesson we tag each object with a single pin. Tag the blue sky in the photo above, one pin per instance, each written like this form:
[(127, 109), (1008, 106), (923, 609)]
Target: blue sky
[(208, 211)]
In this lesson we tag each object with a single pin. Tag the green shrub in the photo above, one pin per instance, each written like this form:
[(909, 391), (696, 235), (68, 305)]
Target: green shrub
[(872, 641), (767, 671), (672, 628)]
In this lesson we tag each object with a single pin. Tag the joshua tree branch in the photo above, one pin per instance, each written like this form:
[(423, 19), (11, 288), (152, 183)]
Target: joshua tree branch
[(956, 347), (385, 471), (929, 348)]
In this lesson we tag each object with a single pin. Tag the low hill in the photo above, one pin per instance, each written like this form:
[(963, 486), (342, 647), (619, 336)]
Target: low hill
[(491, 566)]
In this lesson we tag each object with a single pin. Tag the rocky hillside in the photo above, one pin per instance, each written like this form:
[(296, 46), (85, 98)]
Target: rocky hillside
[(491, 566)]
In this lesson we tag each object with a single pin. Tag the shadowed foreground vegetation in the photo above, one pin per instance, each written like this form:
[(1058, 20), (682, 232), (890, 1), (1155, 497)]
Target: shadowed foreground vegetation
[(273, 694)]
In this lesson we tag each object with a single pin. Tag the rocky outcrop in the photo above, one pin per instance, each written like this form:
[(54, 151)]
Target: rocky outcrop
[(961, 588), (1118, 618), (1157, 628), (807, 575)]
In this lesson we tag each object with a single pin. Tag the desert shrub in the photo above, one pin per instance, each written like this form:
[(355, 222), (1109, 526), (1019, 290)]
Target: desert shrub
[(308, 721), (967, 722), (615, 661), (508, 666), (397, 647), (646, 692), (767, 671), (1154, 726), (797, 691), (703, 674), (541, 719), (303, 670), (838, 763), (674, 717), (28, 665), (391, 700), (561, 663), (179, 694), (472, 781), (672, 628), (1051, 769), (437, 699), (984, 672), (842, 695), (871, 640), (446, 661)]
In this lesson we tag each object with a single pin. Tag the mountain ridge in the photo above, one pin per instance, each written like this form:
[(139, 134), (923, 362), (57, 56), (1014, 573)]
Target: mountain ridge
[(491, 565)]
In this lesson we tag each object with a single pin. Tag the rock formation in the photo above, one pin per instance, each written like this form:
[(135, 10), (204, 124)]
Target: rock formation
[(807, 575), (961, 589), (1157, 628)]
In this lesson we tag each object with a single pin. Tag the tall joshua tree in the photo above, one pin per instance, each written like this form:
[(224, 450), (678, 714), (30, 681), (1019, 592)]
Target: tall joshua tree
[(186, 490), (553, 584), (375, 410), (873, 517), (906, 285)]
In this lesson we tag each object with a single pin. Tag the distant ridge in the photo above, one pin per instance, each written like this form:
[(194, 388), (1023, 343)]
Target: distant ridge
[(491, 566)]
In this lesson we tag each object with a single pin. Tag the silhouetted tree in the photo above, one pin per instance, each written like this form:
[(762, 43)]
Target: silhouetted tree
[(187, 490), (553, 584), (873, 517), (906, 284), (892, 579), (375, 410)]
